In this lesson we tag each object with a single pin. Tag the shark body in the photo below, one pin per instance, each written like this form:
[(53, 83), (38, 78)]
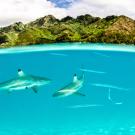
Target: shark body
[(71, 88), (24, 81)]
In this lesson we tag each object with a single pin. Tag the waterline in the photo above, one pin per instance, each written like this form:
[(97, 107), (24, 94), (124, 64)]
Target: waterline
[(68, 46)]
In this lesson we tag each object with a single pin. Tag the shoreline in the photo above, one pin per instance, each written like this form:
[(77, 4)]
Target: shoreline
[(84, 28)]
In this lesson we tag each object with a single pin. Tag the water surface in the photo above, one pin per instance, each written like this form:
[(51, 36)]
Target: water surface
[(107, 66)]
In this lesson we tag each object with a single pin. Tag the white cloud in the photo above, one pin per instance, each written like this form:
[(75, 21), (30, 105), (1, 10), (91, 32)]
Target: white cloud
[(27, 10), (103, 7)]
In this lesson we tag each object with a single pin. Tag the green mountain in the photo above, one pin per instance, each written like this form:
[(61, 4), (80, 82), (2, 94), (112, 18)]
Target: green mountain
[(84, 28)]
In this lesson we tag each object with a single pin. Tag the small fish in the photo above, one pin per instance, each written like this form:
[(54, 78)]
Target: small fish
[(110, 98), (85, 106), (101, 54), (109, 86), (119, 103), (92, 71), (58, 54)]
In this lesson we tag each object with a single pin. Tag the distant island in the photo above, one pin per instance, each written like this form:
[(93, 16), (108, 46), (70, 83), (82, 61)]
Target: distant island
[(84, 28)]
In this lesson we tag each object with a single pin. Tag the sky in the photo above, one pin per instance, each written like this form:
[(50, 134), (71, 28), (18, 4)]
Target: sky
[(28, 10)]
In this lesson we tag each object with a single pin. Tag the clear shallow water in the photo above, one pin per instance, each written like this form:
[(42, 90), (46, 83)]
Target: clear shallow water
[(27, 113)]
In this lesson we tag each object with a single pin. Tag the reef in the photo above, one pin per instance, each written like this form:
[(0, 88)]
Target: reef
[(84, 28)]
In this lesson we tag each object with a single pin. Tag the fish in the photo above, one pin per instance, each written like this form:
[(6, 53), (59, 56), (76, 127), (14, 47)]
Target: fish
[(109, 86), (85, 106), (111, 100), (23, 82), (92, 71), (72, 88), (101, 54), (58, 54)]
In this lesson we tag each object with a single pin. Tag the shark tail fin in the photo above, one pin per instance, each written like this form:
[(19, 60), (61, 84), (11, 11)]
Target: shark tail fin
[(79, 94)]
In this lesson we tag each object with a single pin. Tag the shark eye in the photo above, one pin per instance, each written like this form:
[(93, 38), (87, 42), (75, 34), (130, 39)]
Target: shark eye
[(19, 70)]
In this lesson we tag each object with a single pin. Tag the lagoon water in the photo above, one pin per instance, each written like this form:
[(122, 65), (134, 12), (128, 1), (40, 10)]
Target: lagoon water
[(107, 109)]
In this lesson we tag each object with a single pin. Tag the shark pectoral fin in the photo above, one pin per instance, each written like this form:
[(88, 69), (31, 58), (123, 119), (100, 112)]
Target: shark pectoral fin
[(79, 94), (35, 89)]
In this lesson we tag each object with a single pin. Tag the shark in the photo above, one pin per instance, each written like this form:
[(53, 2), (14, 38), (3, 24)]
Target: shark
[(71, 88), (24, 81)]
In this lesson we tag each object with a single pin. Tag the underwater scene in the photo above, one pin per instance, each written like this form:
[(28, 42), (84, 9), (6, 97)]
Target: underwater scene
[(67, 89)]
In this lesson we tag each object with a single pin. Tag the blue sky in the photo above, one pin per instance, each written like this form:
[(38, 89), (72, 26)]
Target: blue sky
[(62, 3), (28, 10)]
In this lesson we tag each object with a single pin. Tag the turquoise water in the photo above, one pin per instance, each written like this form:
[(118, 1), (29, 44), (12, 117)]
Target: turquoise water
[(107, 109)]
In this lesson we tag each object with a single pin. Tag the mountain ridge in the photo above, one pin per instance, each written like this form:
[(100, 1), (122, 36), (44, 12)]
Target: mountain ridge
[(84, 28)]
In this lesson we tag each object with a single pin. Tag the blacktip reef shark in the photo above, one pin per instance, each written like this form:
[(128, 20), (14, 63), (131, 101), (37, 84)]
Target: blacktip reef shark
[(24, 81), (71, 88)]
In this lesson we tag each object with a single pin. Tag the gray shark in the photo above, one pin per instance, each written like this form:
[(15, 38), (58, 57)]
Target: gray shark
[(71, 88), (24, 81)]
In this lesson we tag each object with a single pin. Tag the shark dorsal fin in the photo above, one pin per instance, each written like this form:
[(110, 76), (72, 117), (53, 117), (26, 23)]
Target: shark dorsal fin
[(20, 73), (75, 78)]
